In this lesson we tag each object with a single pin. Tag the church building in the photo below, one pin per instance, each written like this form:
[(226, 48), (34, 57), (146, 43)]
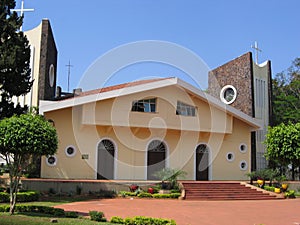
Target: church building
[(130, 131)]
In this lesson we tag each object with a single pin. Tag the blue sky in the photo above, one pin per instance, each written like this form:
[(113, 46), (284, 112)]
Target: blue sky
[(215, 31)]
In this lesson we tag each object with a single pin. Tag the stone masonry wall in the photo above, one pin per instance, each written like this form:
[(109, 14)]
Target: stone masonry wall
[(48, 57), (237, 73)]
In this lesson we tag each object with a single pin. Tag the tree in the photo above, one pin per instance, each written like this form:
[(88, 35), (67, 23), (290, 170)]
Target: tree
[(21, 137), (14, 61), (286, 95), (283, 145)]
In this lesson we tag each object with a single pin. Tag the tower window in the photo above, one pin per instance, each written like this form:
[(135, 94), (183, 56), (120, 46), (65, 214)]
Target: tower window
[(145, 105), (228, 94)]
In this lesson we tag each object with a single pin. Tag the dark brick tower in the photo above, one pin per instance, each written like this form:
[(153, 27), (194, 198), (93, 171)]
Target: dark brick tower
[(43, 64), (246, 86), (48, 63)]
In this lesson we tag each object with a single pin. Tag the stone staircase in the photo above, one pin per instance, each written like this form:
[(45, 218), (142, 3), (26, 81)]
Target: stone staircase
[(207, 191)]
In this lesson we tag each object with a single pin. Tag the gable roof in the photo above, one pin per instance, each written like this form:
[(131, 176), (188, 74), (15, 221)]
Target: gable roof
[(140, 86)]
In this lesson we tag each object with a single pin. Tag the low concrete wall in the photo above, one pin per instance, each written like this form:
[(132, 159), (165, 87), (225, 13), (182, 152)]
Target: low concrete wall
[(86, 186)]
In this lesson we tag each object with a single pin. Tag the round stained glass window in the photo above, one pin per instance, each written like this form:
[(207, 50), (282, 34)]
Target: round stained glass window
[(228, 94), (70, 150), (243, 148), (230, 156), (51, 160), (243, 165)]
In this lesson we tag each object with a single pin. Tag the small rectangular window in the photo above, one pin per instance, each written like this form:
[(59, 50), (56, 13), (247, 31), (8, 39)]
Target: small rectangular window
[(144, 105), (185, 109)]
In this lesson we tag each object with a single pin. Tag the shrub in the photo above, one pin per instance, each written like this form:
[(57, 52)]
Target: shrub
[(71, 214), (145, 195), (290, 194), (4, 208), (175, 195), (127, 193), (269, 188), (172, 195), (141, 220), (28, 196), (117, 219), (4, 197), (97, 216)]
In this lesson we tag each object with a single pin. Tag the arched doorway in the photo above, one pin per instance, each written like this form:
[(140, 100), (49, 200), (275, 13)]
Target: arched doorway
[(106, 154), (156, 156), (202, 162)]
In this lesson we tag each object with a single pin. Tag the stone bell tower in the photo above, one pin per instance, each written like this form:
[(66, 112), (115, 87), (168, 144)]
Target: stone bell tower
[(247, 86)]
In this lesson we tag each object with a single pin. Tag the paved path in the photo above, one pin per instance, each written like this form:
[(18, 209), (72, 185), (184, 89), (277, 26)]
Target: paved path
[(267, 212)]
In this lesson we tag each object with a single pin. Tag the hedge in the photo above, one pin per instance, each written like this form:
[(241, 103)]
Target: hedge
[(148, 195), (141, 220), (35, 209), (28, 196)]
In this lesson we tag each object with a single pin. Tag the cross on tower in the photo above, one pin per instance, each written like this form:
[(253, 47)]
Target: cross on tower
[(69, 72), (22, 10), (257, 50)]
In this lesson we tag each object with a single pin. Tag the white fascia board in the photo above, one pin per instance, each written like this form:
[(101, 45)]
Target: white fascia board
[(256, 124), (46, 106)]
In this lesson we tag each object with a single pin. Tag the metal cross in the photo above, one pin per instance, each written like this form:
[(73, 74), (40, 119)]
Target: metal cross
[(257, 50), (69, 72), (22, 10)]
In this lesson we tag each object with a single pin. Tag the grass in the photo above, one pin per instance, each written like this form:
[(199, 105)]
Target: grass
[(37, 219)]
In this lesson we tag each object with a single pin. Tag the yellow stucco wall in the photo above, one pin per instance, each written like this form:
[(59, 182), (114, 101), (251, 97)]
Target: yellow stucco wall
[(85, 126)]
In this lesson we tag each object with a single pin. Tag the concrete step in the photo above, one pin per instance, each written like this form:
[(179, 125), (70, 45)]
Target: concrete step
[(222, 191)]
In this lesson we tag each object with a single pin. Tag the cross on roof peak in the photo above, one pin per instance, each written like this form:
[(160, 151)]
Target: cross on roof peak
[(22, 10), (257, 50)]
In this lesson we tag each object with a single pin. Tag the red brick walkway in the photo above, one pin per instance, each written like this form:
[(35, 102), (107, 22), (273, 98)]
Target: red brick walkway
[(267, 212)]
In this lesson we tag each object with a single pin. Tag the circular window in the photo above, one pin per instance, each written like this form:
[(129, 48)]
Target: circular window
[(243, 165), (243, 148), (230, 156), (51, 75), (70, 151), (51, 160), (228, 94)]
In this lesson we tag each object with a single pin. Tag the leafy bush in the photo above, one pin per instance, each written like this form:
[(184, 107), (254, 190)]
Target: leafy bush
[(71, 214), (172, 195), (35, 209), (269, 188), (290, 194), (4, 208), (97, 216), (117, 219), (127, 193), (145, 195), (4, 197), (141, 220), (28, 196)]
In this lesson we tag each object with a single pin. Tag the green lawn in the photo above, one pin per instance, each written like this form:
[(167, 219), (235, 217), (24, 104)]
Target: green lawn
[(35, 219)]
